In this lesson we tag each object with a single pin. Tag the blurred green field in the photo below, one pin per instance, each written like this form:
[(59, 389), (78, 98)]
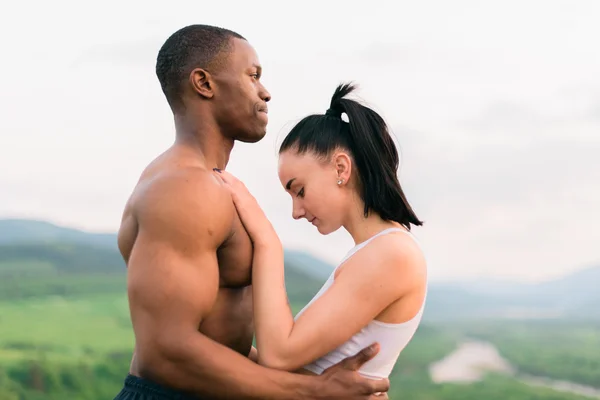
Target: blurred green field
[(65, 331), (64, 347), (558, 349), (65, 328), (79, 347)]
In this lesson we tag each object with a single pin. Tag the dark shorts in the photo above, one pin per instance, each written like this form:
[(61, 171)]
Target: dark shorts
[(136, 388)]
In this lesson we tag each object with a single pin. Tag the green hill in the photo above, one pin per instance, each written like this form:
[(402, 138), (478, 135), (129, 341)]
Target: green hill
[(66, 331), (65, 315), (34, 231), (27, 259), (42, 259), (309, 264), (574, 296), (61, 260)]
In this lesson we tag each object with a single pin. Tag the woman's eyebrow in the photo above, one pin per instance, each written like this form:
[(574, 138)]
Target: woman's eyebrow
[(288, 185)]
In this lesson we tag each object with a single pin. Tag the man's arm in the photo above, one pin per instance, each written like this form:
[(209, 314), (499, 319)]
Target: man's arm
[(172, 285)]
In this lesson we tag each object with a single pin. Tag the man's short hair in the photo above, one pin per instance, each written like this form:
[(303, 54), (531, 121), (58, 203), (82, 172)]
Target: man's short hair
[(194, 46)]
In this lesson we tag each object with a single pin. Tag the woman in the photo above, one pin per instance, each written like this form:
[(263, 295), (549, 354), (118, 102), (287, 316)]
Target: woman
[(339, 174)]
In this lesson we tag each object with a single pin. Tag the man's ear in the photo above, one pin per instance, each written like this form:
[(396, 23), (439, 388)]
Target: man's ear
[(202, 82)]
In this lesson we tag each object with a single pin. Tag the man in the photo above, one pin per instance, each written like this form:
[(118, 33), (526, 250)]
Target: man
[(188, 255)]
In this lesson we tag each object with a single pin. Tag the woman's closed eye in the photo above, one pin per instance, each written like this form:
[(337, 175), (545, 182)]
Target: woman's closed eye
[(301, 193)]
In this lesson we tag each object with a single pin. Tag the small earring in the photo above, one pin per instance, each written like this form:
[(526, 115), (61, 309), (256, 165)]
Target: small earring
[(340, 181)]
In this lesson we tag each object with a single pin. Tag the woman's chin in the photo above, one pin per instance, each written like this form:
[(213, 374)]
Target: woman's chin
[(320, 229), (326, 230)]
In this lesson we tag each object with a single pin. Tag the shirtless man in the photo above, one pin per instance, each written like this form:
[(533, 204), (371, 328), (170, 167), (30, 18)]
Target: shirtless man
[(188, 255)]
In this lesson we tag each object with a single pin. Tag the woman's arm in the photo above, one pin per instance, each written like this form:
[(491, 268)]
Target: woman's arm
[(371, 280), (253, 356)]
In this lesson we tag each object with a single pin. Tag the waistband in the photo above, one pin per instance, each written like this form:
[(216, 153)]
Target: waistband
[(145, 386)]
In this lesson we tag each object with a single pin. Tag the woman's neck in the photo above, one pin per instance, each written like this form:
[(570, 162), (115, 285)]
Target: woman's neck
[(362, 228)]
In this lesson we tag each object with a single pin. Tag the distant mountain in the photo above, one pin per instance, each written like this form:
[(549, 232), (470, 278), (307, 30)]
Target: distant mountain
[(38, 257), (308, 263), (14, 231), (33, 232), (58, 257), (573, 296), (38, 249)]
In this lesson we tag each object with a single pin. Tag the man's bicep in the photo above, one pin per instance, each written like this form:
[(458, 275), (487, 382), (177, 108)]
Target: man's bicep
[(173, 269), (170, 290)]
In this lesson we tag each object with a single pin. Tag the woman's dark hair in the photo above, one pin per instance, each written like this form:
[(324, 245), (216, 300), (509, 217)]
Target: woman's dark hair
[(365, 136)]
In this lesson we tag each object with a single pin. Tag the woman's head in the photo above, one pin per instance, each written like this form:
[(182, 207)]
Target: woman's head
[(327, 164)]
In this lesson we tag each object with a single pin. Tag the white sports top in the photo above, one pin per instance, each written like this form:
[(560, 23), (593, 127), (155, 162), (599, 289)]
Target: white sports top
[(392, 338)]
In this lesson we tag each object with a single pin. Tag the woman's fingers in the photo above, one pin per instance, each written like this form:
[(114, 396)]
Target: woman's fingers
[(230, 179)]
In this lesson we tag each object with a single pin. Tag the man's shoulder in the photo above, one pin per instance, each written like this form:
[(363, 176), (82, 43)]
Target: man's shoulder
[(188, 184), (184, 194)]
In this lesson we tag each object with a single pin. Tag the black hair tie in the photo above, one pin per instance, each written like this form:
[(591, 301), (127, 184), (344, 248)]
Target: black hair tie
[(334, 113)]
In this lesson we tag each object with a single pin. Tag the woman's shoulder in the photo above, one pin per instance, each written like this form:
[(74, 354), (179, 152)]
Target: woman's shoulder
[(400, 245), (394, 254)]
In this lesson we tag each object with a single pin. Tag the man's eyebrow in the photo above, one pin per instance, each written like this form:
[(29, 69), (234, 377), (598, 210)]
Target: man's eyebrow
[(288, 185)]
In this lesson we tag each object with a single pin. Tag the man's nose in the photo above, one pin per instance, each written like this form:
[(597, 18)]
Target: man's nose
[(264, 94)]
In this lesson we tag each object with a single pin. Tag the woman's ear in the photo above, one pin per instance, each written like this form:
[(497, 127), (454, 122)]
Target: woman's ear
[(343, 167)]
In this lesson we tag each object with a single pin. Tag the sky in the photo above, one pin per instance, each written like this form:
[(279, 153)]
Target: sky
[(495, 106)]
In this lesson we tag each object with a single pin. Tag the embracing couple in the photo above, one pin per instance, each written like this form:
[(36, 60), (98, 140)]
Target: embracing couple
[(206, 268)]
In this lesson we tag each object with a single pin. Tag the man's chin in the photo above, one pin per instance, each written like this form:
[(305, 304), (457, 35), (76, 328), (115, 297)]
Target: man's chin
[(252, 138)]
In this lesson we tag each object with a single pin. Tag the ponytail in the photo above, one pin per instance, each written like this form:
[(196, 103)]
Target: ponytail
[(375, 156)]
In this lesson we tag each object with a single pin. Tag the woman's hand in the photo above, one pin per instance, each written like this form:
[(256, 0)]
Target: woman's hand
[(253, 218)]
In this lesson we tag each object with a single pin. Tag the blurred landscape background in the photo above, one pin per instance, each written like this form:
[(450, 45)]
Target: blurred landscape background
[(495, 106), (66, 332)]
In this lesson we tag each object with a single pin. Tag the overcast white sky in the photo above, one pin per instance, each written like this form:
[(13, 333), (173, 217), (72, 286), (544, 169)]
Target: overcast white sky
[(495, 104)]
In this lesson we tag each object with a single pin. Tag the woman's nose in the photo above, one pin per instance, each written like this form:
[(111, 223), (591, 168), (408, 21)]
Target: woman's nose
[(297, 212)]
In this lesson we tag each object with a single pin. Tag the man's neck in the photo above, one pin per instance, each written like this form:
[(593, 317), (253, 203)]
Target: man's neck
[(204, 138)]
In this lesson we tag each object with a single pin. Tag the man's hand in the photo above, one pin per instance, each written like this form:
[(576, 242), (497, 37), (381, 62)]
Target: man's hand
[(342, 381)]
